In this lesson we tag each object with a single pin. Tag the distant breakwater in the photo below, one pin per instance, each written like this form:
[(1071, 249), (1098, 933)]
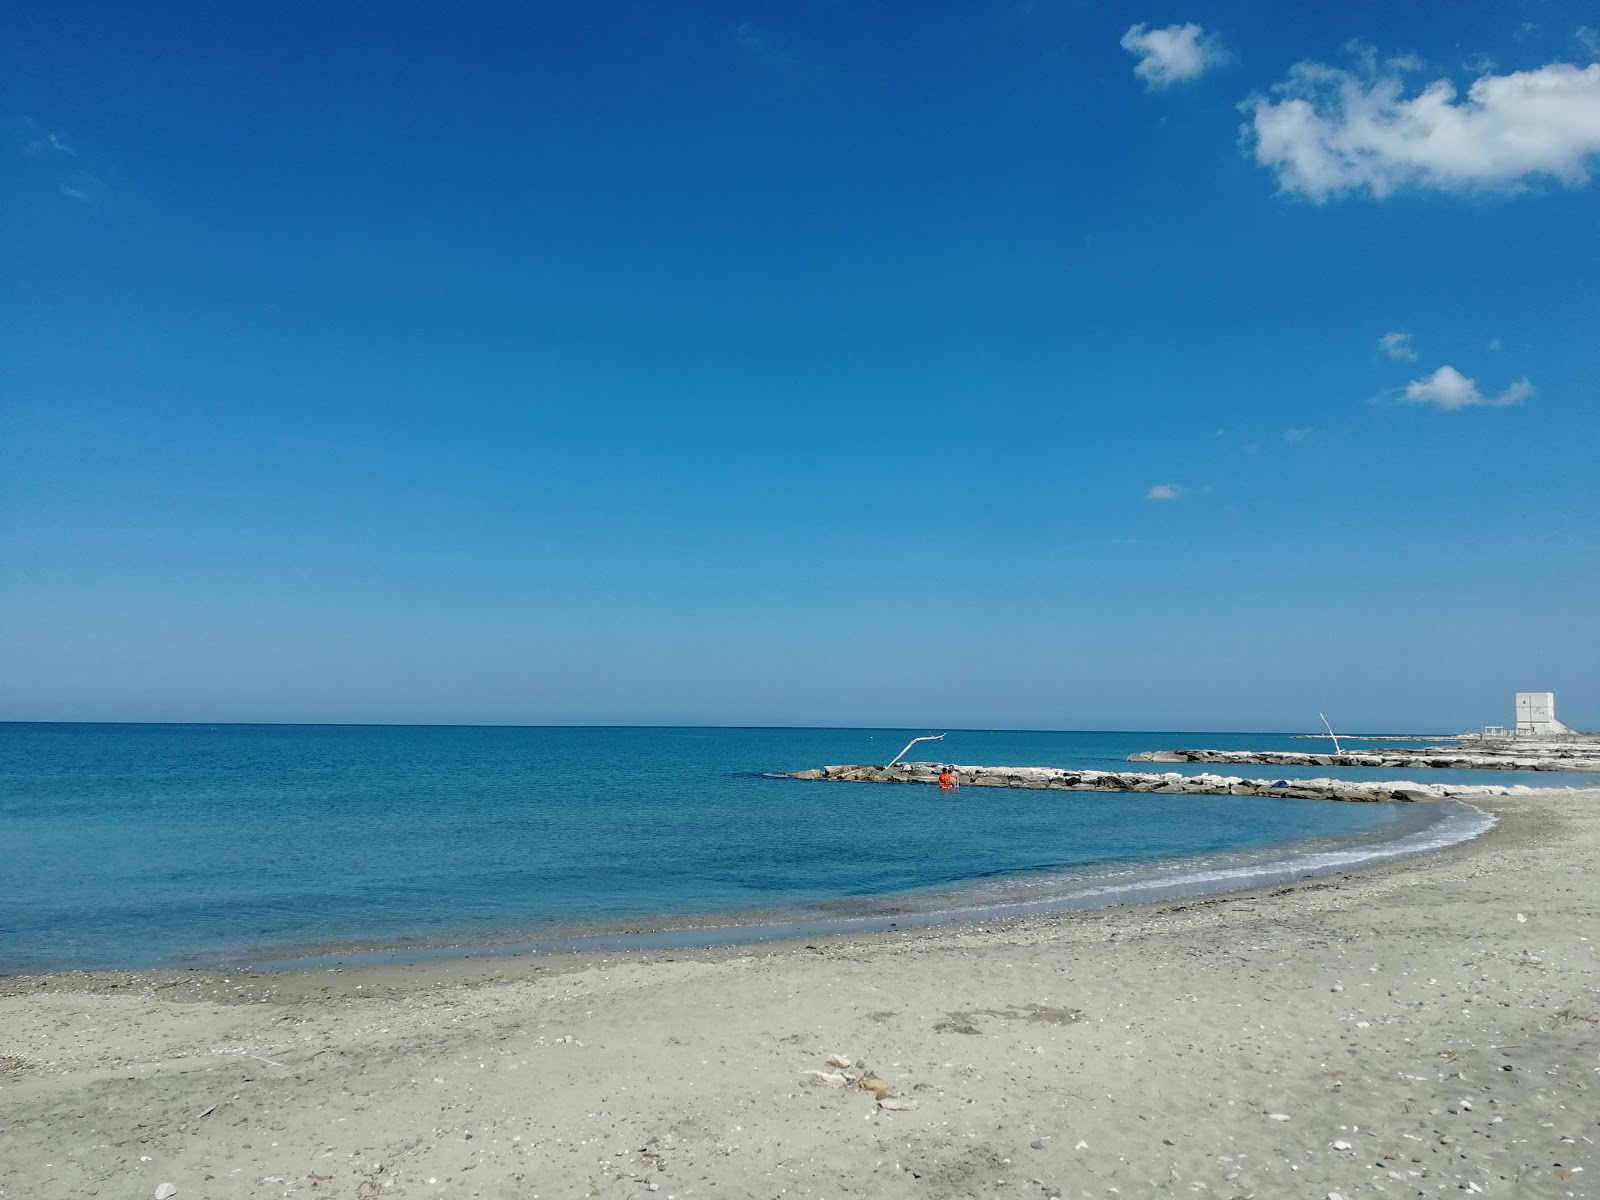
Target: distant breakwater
[(1171, 783), (1583, 758)]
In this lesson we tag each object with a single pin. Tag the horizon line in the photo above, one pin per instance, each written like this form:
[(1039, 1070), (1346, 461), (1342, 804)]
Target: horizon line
[(845, 728)]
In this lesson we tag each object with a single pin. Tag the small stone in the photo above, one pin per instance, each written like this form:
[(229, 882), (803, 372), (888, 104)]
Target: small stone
[(1082, 1145), (1341, 1145), (652, 1186), (1277, 1116), (893, 1104), (1335, 1196), (1036, 1144), (1168, 1142), (837, 1060), (165, 1190)]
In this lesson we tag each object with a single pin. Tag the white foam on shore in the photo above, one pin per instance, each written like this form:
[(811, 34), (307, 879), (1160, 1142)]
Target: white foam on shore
[(1454, 828)]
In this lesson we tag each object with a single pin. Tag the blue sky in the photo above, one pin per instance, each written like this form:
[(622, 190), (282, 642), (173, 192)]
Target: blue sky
[(1030, 365)]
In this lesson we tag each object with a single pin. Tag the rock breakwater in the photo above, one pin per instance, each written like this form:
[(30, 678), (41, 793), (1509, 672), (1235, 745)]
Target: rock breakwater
[(1584, 758), (1169, 783)]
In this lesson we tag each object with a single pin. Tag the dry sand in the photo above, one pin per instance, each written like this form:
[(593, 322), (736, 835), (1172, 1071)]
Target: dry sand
[(1426, 1028)]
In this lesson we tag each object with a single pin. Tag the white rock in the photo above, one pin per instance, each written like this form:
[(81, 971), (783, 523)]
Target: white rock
[(1277, 1116), (837, 1060), (1341, 1145), (826, 1078), (896, 1105), (165, 1190), (1081, 1146)]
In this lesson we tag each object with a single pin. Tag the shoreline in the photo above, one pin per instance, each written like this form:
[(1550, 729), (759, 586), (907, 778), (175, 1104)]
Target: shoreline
[(1422, 1024), (972, 900), (465, 958)]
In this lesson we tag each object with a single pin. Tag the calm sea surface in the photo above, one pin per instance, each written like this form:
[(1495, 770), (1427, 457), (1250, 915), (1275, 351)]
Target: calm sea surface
[(144, 845)]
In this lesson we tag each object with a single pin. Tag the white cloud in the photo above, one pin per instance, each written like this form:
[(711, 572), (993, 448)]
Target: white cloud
[(1448, 389), (50, 143), (1335, 131), (1164, 491), (1172, 54), (1397, 346)]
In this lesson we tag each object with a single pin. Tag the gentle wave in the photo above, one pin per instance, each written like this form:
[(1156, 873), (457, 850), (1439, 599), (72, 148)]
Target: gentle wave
[(1456, 823)]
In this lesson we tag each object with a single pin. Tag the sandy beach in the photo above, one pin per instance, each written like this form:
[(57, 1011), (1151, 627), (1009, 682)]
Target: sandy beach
[(1424, 1028)]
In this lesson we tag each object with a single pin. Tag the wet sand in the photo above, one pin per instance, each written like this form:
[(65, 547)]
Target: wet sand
[(1420, 1028)]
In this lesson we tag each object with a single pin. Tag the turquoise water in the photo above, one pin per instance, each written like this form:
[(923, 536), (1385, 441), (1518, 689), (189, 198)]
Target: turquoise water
[(144, 845)]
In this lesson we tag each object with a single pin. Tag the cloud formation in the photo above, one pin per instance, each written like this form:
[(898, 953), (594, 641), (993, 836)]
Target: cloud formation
[(1175, 53), (1164, 491), (1334, 131), (55, 159), (1449, 390), (1397, 346)]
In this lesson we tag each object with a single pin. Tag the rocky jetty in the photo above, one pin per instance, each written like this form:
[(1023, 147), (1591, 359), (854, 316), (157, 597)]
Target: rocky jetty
[(1579, 756), (1170, 783)]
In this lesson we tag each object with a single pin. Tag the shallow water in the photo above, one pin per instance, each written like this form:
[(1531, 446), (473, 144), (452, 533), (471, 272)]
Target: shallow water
[(144, 845)]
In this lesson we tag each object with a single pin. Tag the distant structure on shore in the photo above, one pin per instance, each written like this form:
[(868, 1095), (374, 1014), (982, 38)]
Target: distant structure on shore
[(1536, 715), (1536, 718)]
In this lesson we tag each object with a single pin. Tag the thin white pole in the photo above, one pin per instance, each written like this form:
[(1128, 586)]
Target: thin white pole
[(1329, 728), (913, 742)]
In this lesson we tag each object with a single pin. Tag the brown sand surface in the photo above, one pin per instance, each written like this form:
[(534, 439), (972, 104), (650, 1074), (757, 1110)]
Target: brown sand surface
[(1427, 1028)]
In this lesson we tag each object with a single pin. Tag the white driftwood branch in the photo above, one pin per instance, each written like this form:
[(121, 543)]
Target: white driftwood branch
[(931, 738)]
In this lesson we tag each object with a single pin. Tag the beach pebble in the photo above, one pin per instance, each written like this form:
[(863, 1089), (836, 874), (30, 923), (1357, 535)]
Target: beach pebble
[(893, 1105), (837, 1060), (825, 1078), (165, 1190), (1341, 1145), (1036, 1144), (1277, 1116)]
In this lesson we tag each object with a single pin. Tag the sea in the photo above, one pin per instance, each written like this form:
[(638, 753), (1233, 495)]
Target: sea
[(149, 845)]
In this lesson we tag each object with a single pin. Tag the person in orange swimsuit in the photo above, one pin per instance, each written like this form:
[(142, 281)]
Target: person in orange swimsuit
[(947, 779)]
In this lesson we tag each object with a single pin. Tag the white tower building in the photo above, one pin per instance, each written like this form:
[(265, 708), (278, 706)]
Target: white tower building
[(1536, 715)]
